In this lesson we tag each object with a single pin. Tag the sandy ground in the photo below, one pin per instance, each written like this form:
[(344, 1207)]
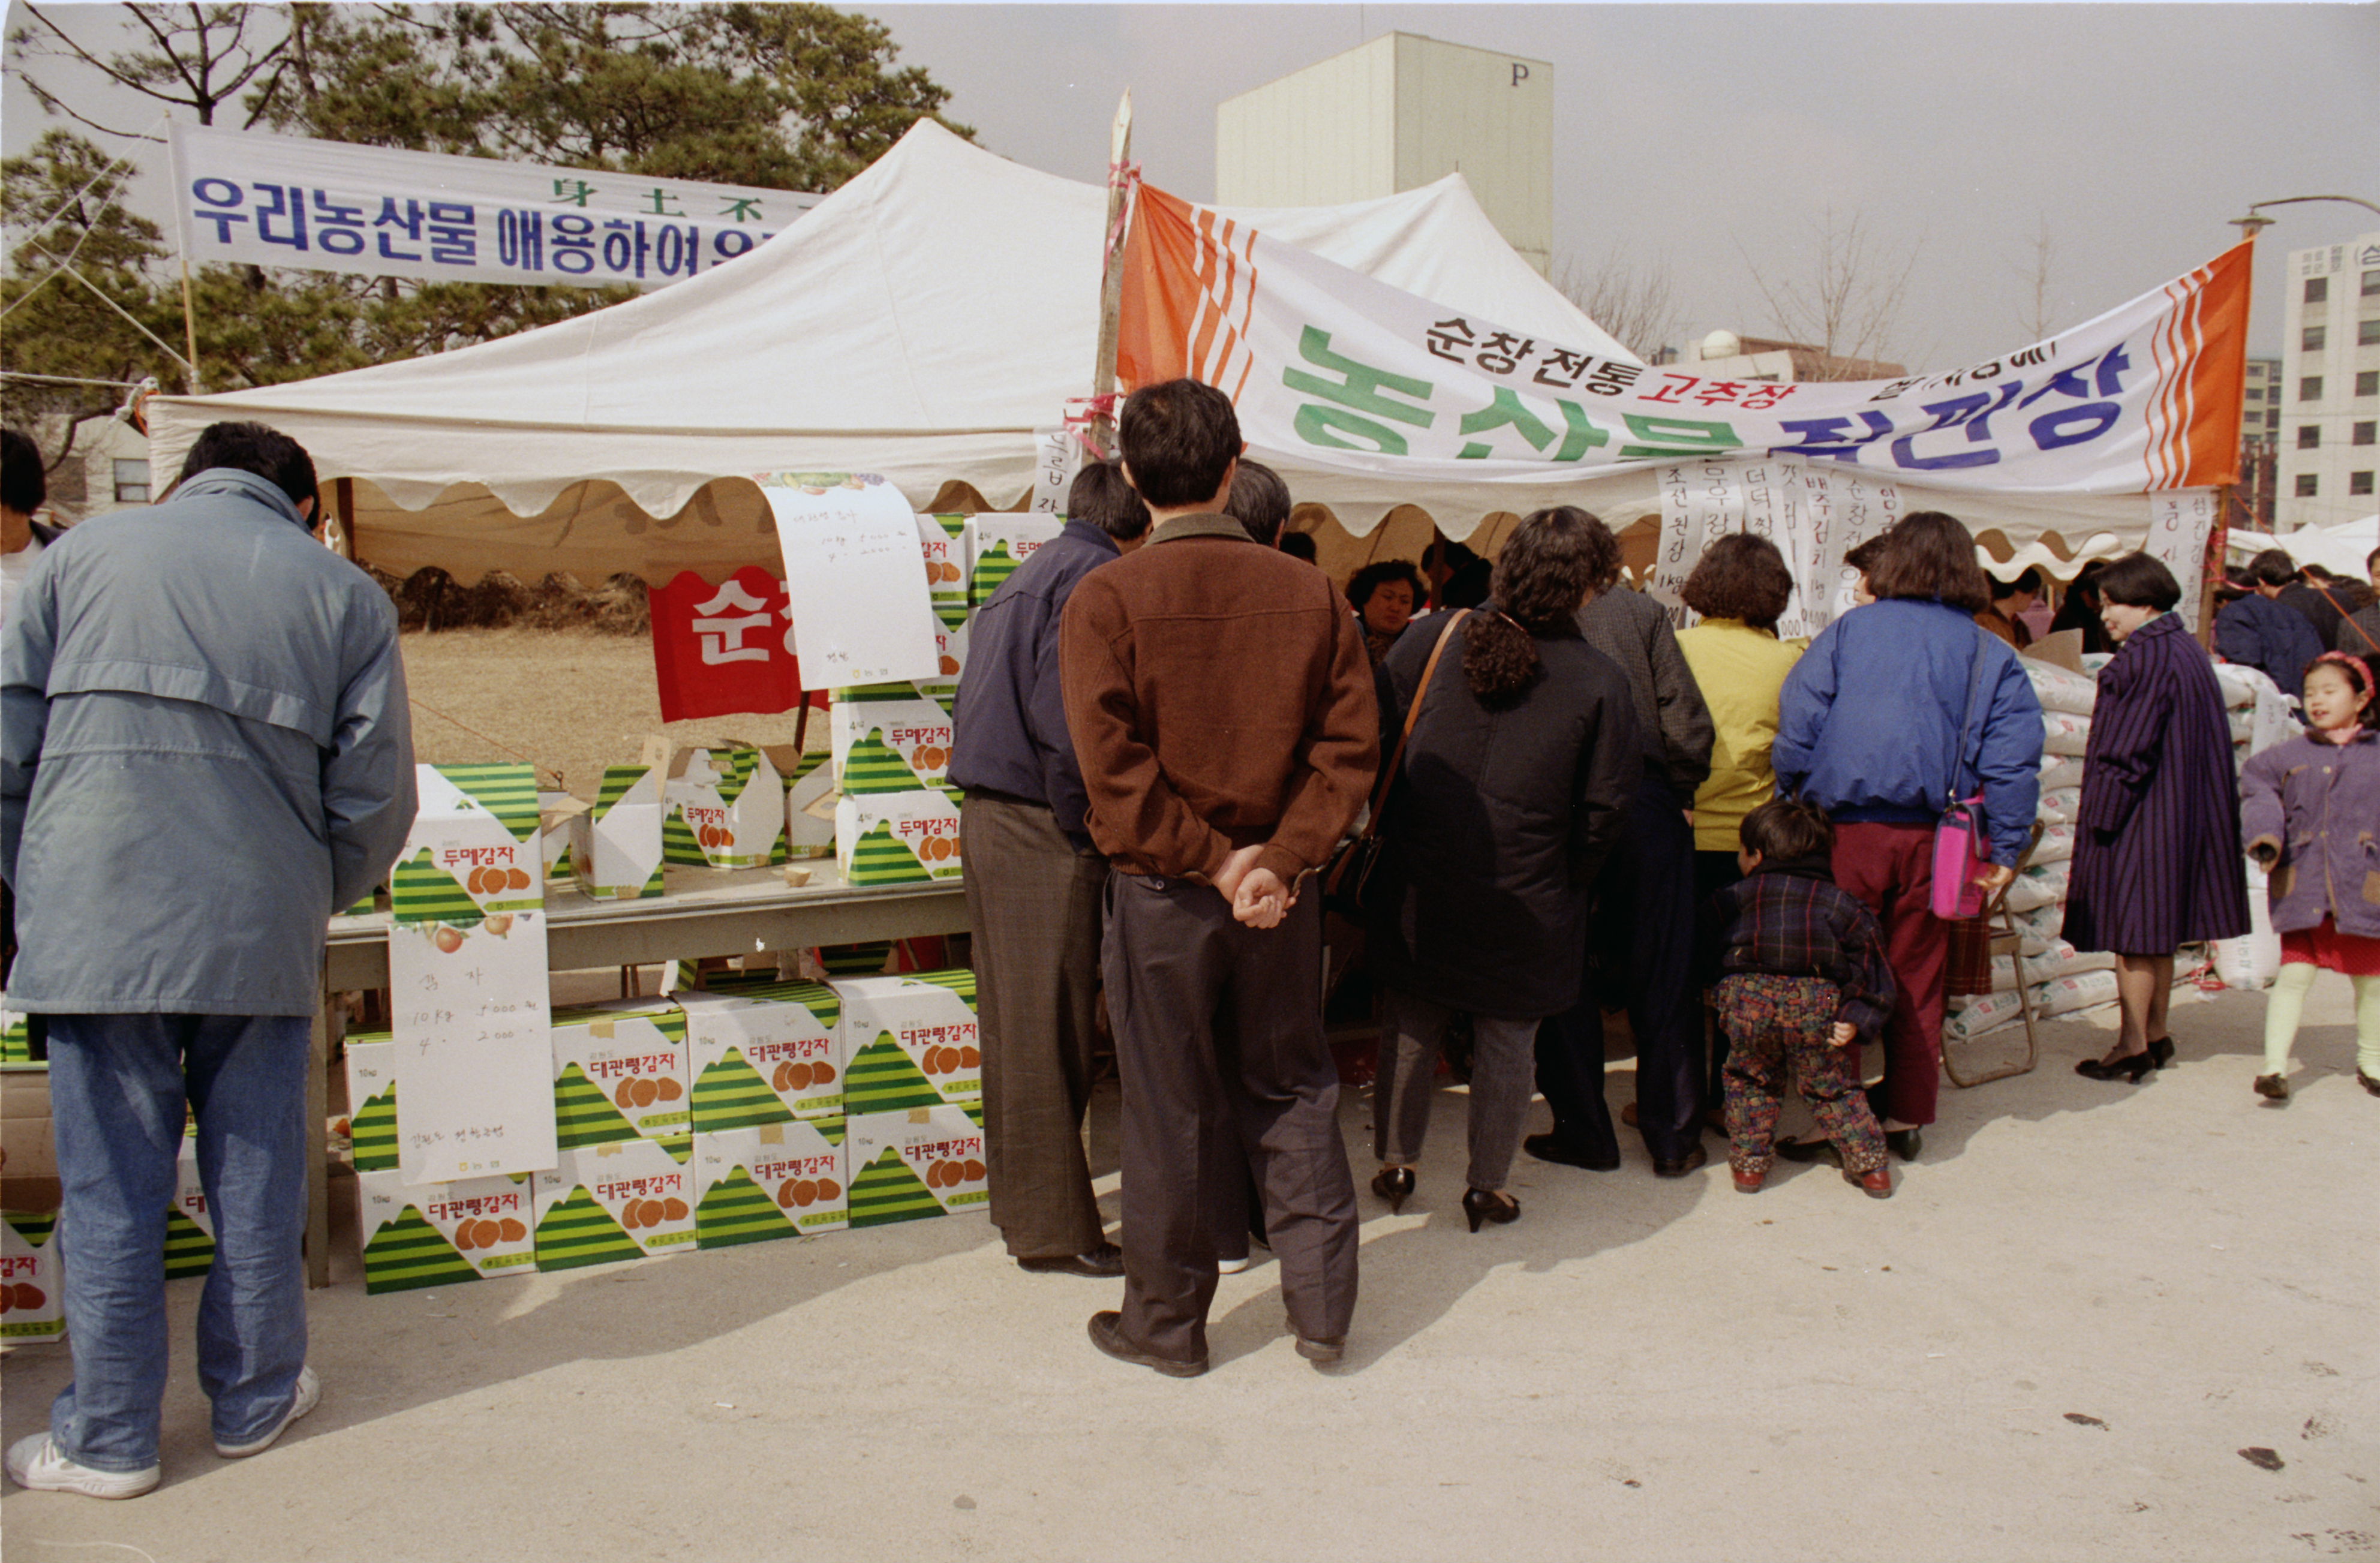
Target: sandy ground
[(568, 700), (2084, 1302)]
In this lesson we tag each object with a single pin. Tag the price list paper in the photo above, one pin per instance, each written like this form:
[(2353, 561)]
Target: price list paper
[(474, 1057), (854, 575), (2180, 521)]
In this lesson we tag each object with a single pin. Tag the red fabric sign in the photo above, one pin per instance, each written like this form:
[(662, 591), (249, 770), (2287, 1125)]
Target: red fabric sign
[(726, 649)]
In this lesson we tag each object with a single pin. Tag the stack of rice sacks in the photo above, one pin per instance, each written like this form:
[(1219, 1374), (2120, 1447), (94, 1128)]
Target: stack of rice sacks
[(2064, 981)]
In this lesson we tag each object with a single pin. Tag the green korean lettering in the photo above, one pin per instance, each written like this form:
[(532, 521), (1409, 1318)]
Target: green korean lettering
[(1679, 436), (575, 191), (657, 195), (744, 208), (1580, 434)]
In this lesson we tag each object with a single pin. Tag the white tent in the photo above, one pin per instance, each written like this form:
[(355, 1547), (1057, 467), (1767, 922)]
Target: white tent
[(920, 322), (2341, 549)]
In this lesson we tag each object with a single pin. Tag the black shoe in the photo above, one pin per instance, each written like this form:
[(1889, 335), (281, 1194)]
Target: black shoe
[(1678, 1167), (1550, 1148), (2131, 1070), (2368, 1082), (2162, 1050), (1394, 1184), (1479, 1206), (1809, 1150), (1319, 1350), (1106, 1334), (1904, 1143), (1103, 1263), (2272, 1087)]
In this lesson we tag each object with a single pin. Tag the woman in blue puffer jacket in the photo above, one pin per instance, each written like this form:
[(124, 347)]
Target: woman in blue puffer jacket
[(1897, 709)]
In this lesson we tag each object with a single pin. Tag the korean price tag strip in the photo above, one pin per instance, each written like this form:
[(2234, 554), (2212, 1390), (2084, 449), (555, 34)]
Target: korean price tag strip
[(467, 979)]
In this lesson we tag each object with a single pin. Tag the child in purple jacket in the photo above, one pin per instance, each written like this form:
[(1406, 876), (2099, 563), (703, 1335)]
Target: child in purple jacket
[(2309, 811), (1802, 981)]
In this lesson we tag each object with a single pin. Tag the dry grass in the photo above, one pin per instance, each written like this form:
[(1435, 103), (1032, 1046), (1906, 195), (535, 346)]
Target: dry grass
[(571, 700)]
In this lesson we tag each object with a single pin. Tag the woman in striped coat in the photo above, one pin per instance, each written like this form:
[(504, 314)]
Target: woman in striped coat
[(2155, 866)]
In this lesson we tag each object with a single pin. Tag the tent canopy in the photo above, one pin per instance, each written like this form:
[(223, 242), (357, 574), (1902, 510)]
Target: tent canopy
[(919, 323), (2341, 549)]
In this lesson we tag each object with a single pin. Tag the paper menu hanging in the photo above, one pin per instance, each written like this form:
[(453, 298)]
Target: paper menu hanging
[(862, 613), (467, 979)]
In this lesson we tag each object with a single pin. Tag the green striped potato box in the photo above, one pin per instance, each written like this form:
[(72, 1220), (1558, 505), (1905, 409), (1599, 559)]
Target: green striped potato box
[(33, 1292), (473, 851), (620, 1072), (943, 538), (769, 1181), (911, 1042), (909, 1166), (997, 543), (897, 837), (615, 847), (189, 1227), (952, 617), (809, 799), (722, 807), (554, 813), (371, 1100), (16, 1045), (890, 745), (440, 1234), (630, 1199), (763, 1052)]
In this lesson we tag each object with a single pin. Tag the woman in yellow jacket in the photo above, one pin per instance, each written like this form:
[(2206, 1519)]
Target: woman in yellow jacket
[(1741, 587)]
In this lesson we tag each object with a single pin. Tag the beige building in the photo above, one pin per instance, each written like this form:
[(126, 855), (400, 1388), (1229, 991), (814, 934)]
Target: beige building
[(2329, 428), (2260, 414), (1397, 113), (107, 469)]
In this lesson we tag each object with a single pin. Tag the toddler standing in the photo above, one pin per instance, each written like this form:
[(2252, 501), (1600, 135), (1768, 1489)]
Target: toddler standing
[(2309, 809), (1802, 980)]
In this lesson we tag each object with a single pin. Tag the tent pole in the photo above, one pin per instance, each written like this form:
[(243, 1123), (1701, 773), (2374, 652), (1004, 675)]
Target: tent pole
[(191, 329), (1102, 430)]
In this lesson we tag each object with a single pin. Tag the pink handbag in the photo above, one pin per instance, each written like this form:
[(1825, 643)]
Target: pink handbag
[(1961, 844)]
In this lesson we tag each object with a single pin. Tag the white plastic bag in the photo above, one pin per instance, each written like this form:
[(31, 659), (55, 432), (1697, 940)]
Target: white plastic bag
[(2253, 959)]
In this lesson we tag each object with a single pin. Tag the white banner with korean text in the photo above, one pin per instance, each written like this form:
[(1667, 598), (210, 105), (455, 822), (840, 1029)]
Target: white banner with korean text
[(330, 206), (1813, 513), (1330, 368), (2179, 525)]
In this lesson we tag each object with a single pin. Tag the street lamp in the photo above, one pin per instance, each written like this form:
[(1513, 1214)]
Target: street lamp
[(2249, 225)]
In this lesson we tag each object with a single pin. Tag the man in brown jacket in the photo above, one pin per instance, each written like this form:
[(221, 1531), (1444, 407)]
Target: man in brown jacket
[(1222, 707)]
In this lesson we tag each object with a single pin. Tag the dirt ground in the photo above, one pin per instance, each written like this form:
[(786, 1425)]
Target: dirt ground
[(571, 701)]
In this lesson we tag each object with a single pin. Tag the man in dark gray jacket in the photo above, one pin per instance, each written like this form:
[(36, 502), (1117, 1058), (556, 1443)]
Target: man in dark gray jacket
[(1644, 930), (206, 751)]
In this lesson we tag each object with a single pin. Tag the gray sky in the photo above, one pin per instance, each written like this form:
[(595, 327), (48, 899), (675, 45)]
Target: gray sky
[(1686, 136)]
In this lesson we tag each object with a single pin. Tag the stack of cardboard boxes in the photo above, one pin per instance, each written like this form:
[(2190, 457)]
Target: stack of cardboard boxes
[(753, 1110)]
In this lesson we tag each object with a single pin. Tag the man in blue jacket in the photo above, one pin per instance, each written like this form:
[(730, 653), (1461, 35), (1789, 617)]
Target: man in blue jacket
[(1034, 888), (206, 750), (2261, 632)]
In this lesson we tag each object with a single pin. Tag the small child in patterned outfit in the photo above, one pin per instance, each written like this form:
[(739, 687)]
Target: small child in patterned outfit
[(1802, 982)]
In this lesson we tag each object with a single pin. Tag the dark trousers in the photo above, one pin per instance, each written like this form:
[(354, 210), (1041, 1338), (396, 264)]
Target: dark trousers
[(1714, 871), (1890, 869), (1644, 930), (1034, 907), (1218, 1040)]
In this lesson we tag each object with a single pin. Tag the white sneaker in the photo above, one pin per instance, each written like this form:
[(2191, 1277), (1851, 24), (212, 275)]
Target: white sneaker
[(1233, 1267), (309, 1395), (38, 1463)]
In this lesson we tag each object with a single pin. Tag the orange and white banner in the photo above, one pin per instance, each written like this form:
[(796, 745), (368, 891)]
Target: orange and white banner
[(1333, 369)]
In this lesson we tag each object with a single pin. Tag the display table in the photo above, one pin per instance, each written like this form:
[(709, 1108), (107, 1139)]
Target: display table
[(705, 912)]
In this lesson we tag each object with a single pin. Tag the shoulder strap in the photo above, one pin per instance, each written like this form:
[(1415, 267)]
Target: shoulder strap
[(1413, 713), (1983, 639)]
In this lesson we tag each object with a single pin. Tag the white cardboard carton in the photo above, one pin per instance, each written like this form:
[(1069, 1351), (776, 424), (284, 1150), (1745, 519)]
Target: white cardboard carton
[(890, 745), (620, 1072), (724, 808), (906, 1166), (615, 847), (633, 1199), (998, 543), (897, 837), (32, 1289), (437, 1234), (764, 1053), (770, 1181), (910, 1042)]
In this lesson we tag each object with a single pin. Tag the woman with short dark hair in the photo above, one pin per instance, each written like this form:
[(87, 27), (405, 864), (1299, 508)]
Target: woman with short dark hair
[(2156, 857), (1386, 595), (1897, 708), (1741, 586), (1522, 752)]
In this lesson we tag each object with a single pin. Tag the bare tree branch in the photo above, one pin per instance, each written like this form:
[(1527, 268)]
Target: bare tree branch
[(1636, 309), (2038, 319), (1848, 307)]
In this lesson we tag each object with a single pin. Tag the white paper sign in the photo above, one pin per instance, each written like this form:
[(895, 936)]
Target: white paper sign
[(1057, 455), (2179, 523), (1700, 502), (855, 579), (467, 981), (1858, 508)]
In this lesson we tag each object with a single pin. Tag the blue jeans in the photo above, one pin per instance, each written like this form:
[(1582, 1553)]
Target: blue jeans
[(117, 1083)]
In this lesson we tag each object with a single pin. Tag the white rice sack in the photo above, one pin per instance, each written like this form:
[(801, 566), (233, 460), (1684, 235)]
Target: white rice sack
[(2065, 995), (2238, 692), (2053, 875), (2029, 894), (2253, 959), (2094, 663), (2063, 732), (1982, 1014), (2061, 690), (2047, 920), (2056, 845), (2061, 806), (2061, 772), (2058, 959)]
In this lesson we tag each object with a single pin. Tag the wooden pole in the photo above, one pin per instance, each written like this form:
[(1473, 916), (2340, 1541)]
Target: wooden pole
[(190, 331), (345, 489), (1112, 270)]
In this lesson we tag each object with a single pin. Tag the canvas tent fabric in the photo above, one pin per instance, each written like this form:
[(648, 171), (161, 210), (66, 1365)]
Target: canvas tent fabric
[(2341, 549), (920, 322)]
